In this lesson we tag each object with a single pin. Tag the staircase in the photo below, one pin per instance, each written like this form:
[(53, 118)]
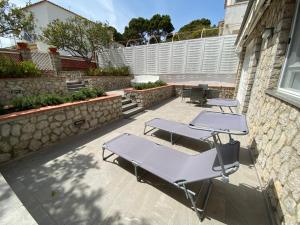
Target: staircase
[(75, 85), (130, 108)]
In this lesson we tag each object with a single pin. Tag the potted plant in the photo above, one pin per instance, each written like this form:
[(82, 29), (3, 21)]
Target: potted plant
[(22, 44), (52, 49)]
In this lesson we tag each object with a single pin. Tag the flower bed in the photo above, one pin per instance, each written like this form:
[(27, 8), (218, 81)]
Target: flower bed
[(37, 101), (109, 71), (27, 131), (149, 97), (144, 86)]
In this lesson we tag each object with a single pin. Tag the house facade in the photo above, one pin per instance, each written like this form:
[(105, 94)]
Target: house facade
[(234, 14), (45, 12), (268, 88)]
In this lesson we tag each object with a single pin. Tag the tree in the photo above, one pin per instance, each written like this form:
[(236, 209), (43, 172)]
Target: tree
[(160, 26), (14, 21), (137, 29), (194, 29), (78, 36), (118, 37), (141, 29)]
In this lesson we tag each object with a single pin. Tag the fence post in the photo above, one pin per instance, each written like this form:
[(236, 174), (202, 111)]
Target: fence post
[(24, 51), (56, 61)]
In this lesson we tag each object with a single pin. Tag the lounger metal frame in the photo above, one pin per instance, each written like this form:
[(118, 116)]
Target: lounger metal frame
[(192, 196), (221, 107), (211, 143)]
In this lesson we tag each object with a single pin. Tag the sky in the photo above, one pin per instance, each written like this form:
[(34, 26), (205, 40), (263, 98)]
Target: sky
[(119, 12)]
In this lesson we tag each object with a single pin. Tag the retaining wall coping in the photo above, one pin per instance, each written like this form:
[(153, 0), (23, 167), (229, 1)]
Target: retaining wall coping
[(14, 115), (33, 77), (146, 90), (209, 85)]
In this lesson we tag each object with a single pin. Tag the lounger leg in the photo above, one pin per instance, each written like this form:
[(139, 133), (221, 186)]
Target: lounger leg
[(221, 108), (105, 157), (230, 109), (136, 171), (171, 136), (146, 132)]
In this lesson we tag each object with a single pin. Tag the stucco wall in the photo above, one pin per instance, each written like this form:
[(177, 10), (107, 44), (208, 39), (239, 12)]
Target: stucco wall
[(274, 124)]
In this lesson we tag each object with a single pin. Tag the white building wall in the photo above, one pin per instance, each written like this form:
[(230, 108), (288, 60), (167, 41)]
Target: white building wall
[(44, 13), (234, 15)]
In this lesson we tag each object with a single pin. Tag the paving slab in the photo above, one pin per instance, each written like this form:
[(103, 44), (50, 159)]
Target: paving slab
[(68, 183)]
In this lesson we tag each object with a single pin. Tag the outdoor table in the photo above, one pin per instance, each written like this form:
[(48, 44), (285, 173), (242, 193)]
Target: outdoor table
[(220, 122)]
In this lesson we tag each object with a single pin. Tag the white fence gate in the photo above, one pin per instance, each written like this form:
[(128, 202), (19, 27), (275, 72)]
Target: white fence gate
[(207, 59)]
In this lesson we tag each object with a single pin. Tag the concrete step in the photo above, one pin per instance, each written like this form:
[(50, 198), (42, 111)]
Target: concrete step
[(128, 106), (126, 101), (132, 112)]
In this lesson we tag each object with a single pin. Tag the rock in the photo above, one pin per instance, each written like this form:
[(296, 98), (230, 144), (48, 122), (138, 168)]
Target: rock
[(293, 114), (28, 128), (35, 145), (42, 117), (294, 182), (60, 117), (298, 213), (58, 130), (45, 139), (5, 157), (42, 124), (285, 153), (26, 136), (70, 114), (93, 122), (16, 130), (4, 147), (5, 130), (296, 143), (284, 172), (37, 135), (54, 125), (13, 141), (290, 205)]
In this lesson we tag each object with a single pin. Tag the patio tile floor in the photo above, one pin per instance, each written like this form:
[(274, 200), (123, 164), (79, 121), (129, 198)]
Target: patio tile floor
[(68, 183)]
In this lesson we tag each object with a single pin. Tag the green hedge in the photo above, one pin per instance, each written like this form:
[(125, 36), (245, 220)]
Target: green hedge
[(109, 71), (37, 101), (142, 86), (11, 69)]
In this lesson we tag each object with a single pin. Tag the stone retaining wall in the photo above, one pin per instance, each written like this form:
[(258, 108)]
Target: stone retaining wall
[(225, 92), (108, 83), (150, 97), (27, 131), (14, 87)]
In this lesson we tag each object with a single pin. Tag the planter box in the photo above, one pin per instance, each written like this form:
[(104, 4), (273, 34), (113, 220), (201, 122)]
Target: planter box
[(27, 131), (149, 97)]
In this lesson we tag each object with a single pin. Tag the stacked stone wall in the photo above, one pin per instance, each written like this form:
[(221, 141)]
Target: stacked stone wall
[(28, 131), (274, 124)]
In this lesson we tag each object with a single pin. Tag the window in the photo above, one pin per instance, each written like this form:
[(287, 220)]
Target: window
[(290, 77)]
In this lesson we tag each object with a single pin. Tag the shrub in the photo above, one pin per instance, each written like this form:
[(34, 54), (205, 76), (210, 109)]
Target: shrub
[(32, 102), (10, 68), (142, 86), (109, 71)]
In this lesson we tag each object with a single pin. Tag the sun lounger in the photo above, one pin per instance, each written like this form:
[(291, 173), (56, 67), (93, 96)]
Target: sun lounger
[(223, 102), (177, 168), (177, 128)]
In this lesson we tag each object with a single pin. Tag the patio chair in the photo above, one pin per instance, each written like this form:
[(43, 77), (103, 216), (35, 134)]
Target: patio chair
[(203, 86), (181, 129), (185, 93), (212, 93), (198, 95), (178, 168)]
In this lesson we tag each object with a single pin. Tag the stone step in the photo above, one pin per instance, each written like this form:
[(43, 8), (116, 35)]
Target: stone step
[(126, 101), (128, 106), (132, 112), (75, 85)]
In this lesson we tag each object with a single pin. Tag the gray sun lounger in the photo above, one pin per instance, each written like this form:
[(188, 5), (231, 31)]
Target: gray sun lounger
[(177, 128), (223, 102), (177, 168)]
